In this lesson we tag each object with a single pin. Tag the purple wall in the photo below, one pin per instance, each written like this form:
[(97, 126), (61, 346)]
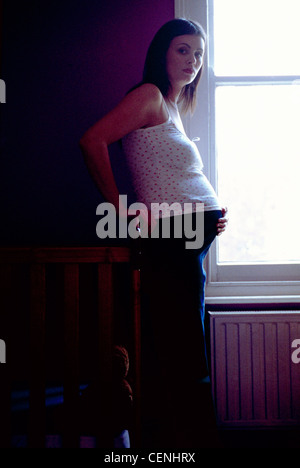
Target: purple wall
[(65, 64)]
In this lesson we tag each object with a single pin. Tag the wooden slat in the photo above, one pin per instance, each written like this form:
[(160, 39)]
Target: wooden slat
[(6, 310), (83, 255), (65, 255), (71, 356), (136, 339), (10, 255), (37, 413), (105, 317), (105, 324)]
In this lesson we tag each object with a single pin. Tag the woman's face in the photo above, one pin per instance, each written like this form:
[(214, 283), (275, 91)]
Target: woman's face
[(184, 59)]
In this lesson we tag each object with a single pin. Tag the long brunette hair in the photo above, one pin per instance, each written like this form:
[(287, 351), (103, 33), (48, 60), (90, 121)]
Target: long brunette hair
[(155, 68)]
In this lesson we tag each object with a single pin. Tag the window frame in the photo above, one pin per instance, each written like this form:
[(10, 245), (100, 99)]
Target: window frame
[(234, 283)]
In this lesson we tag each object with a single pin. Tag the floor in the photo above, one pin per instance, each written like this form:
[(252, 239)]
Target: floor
[(237, 438), (261, 438)]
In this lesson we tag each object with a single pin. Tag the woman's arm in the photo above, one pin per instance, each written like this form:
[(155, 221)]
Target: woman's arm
[(138, 109)]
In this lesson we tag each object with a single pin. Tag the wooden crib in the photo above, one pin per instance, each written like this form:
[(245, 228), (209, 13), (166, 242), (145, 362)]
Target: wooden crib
[(68, 283)]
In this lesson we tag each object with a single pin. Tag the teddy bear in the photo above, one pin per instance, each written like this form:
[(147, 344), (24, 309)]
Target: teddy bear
[(106, 408)]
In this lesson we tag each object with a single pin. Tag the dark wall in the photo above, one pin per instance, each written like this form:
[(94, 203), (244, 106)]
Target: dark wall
[(65, 64)]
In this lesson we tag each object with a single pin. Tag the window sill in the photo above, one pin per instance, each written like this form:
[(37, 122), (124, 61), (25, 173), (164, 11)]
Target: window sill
[(279, 292), (253, 300)]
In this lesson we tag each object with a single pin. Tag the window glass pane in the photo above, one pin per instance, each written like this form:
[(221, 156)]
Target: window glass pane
[(258, 167), (256, 37)]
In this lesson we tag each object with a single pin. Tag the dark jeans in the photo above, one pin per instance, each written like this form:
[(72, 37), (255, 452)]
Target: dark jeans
[(173, 339)]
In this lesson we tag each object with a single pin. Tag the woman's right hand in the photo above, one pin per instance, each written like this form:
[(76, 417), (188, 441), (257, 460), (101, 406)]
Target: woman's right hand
[(222, 222)]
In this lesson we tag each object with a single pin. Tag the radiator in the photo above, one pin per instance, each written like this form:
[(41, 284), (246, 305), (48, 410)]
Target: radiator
[(255, 377)]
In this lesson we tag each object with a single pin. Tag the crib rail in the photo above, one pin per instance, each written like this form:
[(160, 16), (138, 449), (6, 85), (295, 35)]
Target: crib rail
[(70, 259)]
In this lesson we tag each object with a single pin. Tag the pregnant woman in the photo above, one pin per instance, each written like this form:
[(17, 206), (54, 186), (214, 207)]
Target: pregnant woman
[(166, 170)]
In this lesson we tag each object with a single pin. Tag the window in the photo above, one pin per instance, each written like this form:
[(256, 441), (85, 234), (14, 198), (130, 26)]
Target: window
[(248, 110)]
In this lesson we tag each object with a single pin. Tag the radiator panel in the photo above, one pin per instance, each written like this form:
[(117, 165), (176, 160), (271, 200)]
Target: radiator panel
[(254, 381)]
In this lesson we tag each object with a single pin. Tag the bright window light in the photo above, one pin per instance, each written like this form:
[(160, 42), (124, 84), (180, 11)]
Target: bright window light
[(258, 158), (256, 71), (256, 37)]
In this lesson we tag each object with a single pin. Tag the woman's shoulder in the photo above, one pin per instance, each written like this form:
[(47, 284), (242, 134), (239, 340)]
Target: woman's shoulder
[(142, 107), (151, 102), (147, 92)]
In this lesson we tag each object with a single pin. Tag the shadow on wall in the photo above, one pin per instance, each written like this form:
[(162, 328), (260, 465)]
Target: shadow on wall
[(65, 64)]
